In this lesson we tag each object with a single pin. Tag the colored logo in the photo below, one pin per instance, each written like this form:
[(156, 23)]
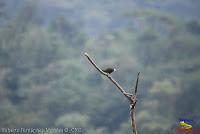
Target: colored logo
[(185, 125)]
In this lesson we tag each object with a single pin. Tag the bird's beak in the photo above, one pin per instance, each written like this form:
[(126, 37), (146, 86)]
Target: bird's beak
[(115, 70)]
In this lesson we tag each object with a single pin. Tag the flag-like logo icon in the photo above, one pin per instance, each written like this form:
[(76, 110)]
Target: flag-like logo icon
[(185, 125)]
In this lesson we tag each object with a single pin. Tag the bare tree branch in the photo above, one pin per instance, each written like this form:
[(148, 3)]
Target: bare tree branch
[(102, 72), (131, 97), (136, 85), (127, 95)]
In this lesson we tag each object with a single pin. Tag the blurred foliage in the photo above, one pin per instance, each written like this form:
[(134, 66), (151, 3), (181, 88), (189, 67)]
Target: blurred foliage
[(45, 81)]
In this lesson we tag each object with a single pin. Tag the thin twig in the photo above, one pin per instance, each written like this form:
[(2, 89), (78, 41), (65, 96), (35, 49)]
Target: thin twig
[(102, 72), (136, 85)]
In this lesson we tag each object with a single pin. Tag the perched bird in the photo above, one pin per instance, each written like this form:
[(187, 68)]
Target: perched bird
[(185, 125), (109, 70)]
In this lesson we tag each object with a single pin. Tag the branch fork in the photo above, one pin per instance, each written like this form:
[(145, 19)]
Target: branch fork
[(132, 98)]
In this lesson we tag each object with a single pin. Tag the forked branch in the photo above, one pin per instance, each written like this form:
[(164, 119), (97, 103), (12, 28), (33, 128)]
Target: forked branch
[(131, 97)]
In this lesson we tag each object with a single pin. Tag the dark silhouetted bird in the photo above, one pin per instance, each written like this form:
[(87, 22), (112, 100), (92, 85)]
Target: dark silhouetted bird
[(109, 70)]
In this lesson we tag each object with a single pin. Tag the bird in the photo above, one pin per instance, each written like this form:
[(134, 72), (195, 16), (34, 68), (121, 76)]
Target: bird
[(109, 70), (185, 125)]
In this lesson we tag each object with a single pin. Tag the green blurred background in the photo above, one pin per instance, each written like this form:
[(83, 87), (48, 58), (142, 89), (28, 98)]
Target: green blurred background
[(45, 80)]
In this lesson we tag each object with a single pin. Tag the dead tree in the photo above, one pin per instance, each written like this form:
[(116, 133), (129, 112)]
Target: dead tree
[(130, 96)]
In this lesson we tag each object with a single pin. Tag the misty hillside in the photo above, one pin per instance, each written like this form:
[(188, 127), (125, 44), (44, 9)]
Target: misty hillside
[(47, 82), (105, 15)]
